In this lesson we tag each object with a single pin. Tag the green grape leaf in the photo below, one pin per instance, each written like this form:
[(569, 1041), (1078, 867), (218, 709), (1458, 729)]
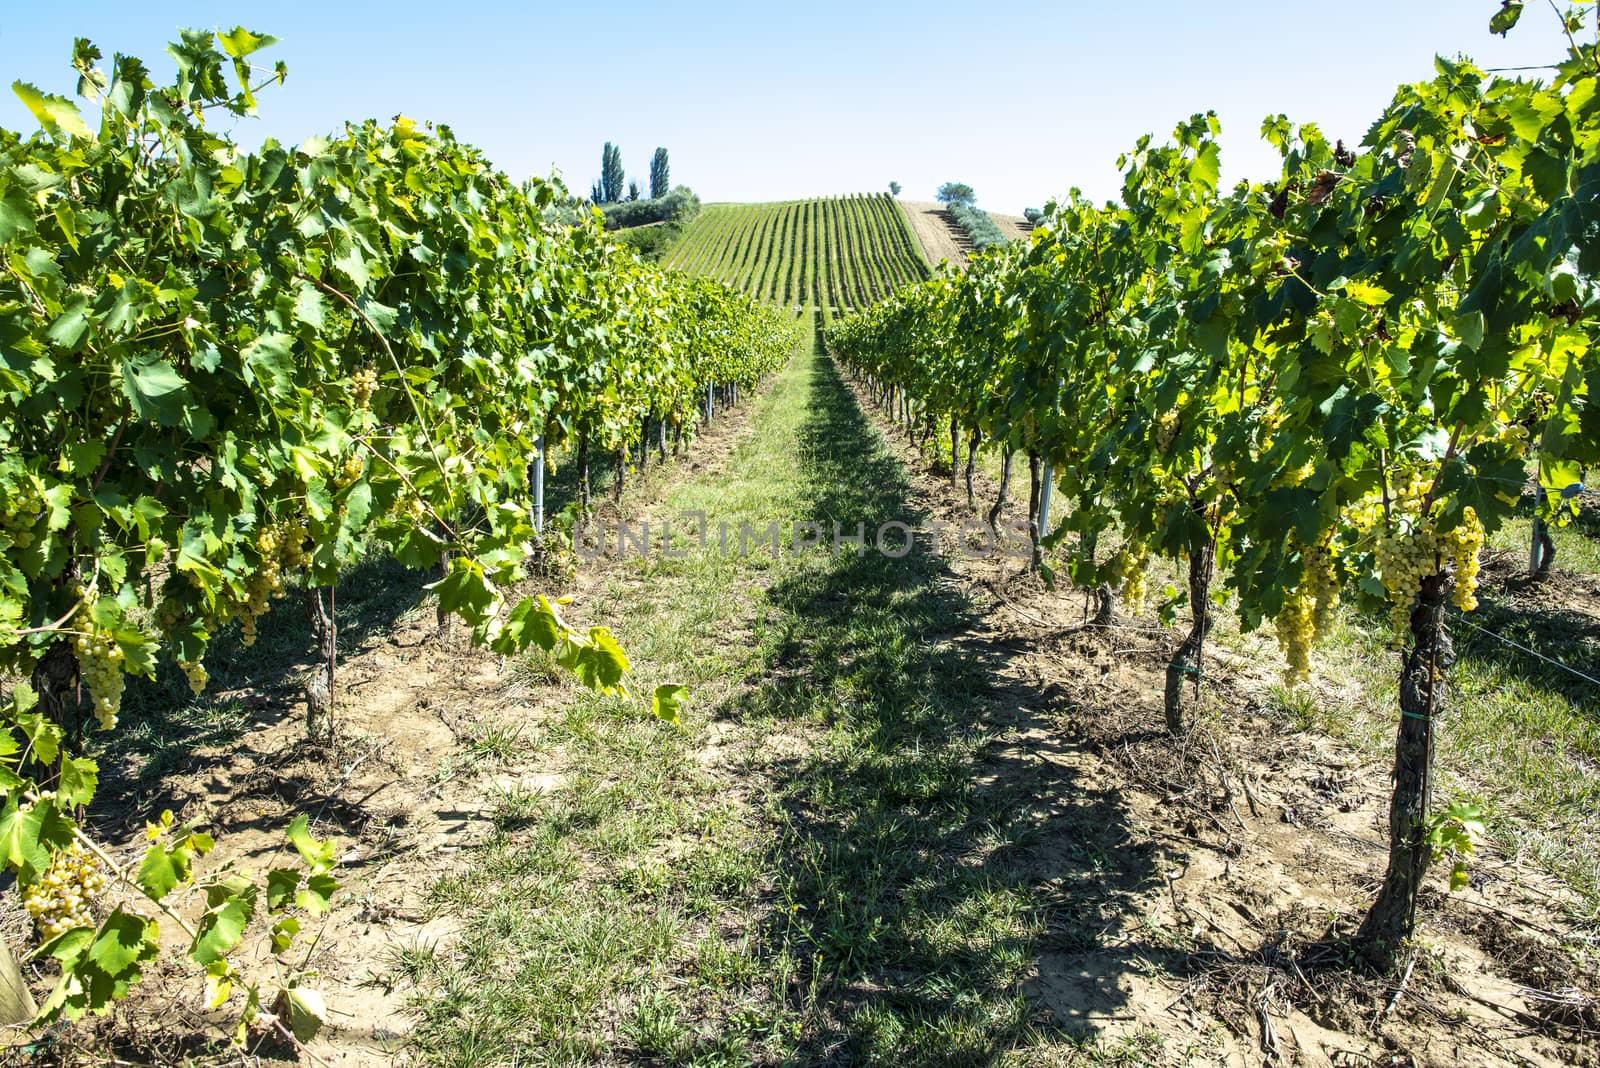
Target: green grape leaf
[(123, 941), (318, 856), (283, 933), (157, 392), (302, 1010), (80, 777), (465, 592), (43, 735), (56, 114), (667, 700), (240, 42), (281, 886), (219, 983), (16, 214), (221, 928), (1506, 18), (99, 966), (166, 865), (318, 894), (600, 664)]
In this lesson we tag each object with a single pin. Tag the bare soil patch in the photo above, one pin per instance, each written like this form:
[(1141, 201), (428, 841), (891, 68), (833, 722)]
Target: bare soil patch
[(939, 238)]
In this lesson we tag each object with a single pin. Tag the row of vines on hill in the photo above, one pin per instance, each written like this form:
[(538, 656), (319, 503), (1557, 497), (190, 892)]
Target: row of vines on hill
[(1327, 385), (222, 371), (839, 252)]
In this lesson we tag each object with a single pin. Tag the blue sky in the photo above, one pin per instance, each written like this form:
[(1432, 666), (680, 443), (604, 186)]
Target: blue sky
[(768, 101)]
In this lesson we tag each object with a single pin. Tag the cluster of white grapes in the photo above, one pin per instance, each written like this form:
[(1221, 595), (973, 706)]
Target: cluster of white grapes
[(100, 667), (1166, 430), (195, 672), (1308, 610), (282, 549), (363, 384), (21, 515), (351, 470), (409, 506), (1406, 556), (99, 661), (169, 613), (60, 899), (1465, 543), (1128, 572), (1412, 550)]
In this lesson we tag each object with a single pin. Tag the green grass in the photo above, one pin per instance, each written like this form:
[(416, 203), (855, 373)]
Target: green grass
[(843, 252), (843, 876)]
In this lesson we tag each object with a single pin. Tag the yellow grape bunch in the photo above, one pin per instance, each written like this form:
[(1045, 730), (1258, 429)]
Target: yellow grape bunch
[(1414, 550), (20, 515), (363, 384), (1128, 573), (1308, 611), (282, 549), (61, 898), (100, 667), (351, 470), (1465, 544), (1166, 431)]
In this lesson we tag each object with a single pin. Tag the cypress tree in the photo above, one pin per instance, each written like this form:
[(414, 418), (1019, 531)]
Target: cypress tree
[(660, 175), (611, 176)]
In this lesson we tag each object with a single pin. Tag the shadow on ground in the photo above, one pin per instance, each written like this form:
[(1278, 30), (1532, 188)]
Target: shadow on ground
[(164, 725)]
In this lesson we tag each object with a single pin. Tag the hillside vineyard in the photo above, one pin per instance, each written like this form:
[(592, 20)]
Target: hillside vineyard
[(833, 252)]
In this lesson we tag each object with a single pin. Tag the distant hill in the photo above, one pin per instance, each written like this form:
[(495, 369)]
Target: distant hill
[(831, 252)]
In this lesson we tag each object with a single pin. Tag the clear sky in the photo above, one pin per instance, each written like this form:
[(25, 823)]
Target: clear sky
[(767, 101)]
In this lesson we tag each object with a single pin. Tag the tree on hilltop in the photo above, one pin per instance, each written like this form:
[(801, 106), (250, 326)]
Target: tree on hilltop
[(894, 189), (660, 175), (611, 174), (957, 193)]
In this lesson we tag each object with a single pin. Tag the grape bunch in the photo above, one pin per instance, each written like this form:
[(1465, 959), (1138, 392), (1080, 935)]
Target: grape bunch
[(1308, 611), (20, 515), (1166, 430), (351, 470), (408, 506), (1406, 556), (363, 384), (195, 672), (282, 548), (100, 667), (60, 899), (1464, 543), (1296, 629), (1126, 572)]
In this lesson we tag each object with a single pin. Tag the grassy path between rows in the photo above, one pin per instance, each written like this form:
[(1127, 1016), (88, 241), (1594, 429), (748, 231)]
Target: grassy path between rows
[(826, 863)]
